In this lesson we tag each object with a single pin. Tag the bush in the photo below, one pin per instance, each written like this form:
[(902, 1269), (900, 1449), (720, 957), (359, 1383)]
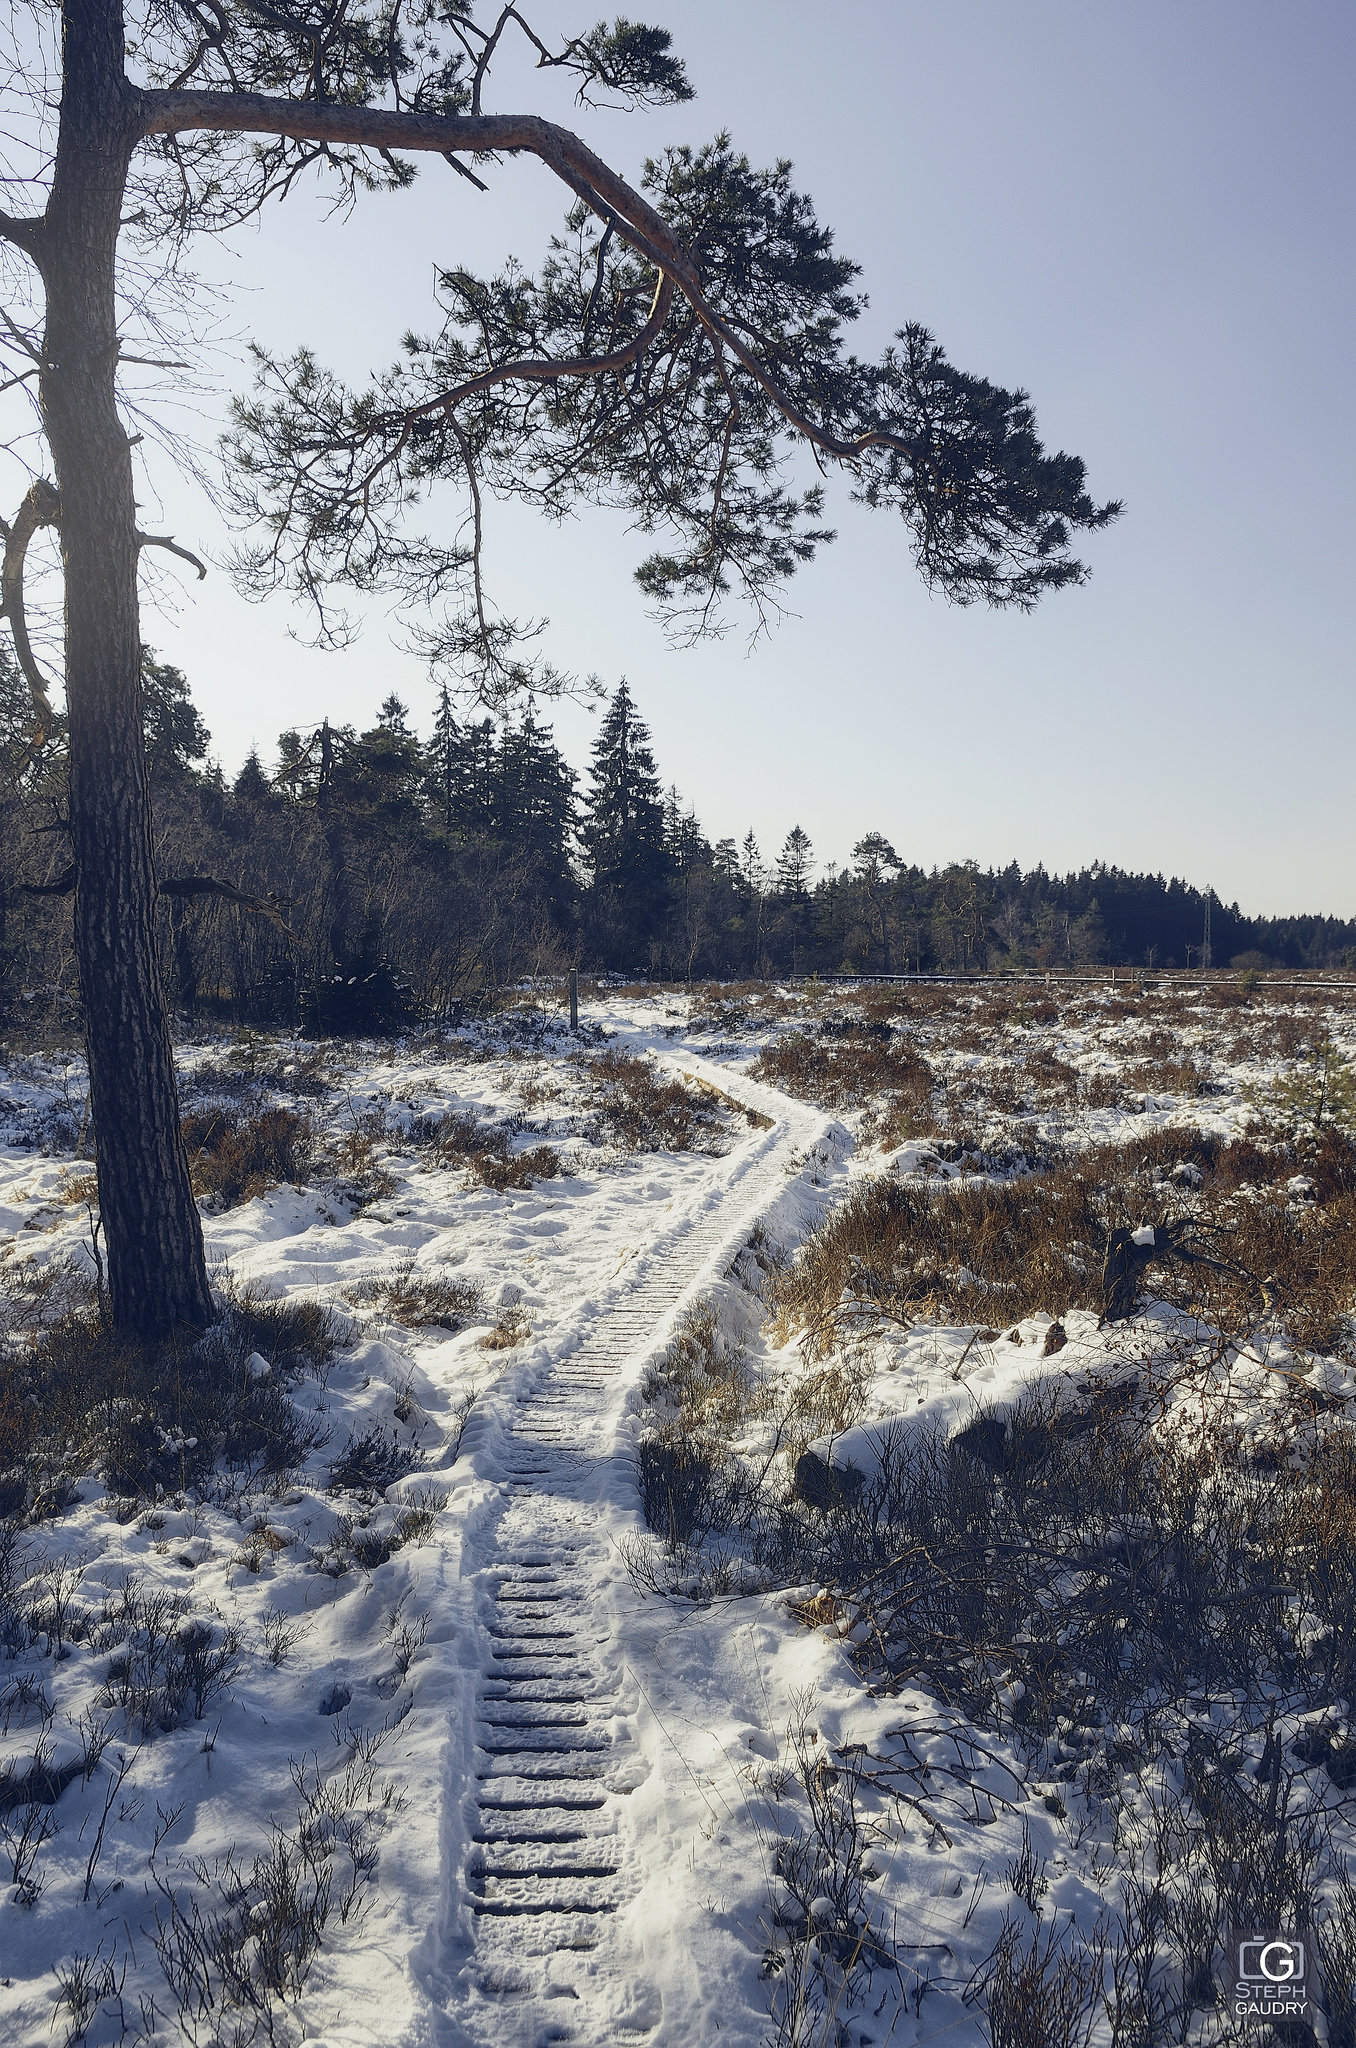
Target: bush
[(489, 1154), (505, 1170), (167, 1668), (370, 1462), (361, 999), (234, 1158), (75, 1396), (417, 1298), (643, 1113)]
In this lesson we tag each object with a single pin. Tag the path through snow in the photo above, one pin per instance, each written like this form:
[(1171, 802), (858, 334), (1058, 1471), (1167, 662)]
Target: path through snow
[(541, 1853)]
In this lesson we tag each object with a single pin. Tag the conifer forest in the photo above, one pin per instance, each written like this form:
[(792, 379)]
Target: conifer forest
[(366, 880)]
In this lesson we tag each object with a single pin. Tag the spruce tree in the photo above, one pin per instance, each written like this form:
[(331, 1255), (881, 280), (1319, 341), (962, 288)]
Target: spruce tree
[(752, 872), (623, 833), (534, 806), (794, 863), (685, 843), (251, 784), (443, 759)]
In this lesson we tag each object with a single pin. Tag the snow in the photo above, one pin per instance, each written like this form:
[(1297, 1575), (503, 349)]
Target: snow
[(688, 1714)]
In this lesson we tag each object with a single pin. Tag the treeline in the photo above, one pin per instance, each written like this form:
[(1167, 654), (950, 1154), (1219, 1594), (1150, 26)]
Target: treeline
[(359, 878)]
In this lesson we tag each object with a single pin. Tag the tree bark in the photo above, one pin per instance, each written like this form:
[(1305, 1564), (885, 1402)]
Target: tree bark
[(157, 1274)]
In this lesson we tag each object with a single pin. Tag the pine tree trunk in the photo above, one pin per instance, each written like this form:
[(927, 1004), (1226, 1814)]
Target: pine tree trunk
[(157, 1275)]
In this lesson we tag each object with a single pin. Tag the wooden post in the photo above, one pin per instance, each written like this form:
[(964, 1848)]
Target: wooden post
[(574, 999)]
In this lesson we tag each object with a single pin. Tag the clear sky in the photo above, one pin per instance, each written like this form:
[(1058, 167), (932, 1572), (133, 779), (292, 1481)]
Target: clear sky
[(1143, 214)]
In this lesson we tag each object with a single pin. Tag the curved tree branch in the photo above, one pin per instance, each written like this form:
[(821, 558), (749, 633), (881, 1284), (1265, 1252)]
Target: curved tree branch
[(64, 885), (163, 540), (574, 163), (176, 886), (173, 113), (41, 507)]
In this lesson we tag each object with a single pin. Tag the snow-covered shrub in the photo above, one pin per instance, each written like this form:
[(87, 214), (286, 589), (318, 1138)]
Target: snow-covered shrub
[(168, 1667), (417, 1297), (371, 1460), (487, 1152), (73, 1395)]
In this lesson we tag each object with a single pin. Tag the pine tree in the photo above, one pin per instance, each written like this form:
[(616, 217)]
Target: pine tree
[(725, 859), (176, 737)]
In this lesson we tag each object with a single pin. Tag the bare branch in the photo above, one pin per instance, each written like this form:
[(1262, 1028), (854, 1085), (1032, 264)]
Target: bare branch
[(25, 341), (64, 885), (207, 885), (462, 172), (163, 540)]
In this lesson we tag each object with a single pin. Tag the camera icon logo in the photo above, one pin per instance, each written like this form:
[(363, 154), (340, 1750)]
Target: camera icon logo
[(1275, 1961)]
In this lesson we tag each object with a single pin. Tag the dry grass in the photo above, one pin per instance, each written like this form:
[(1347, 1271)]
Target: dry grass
[(993, 1251), (855, 1066), (511, 1327)]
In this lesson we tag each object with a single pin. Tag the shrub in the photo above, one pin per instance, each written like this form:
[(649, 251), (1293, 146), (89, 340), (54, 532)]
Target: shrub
[(1318, 1096), (488, 1153), (233, 1158), (419, 1298), (505, 1170), (167, 1667), (362, 998), (370, 1462), (161, 1415), (512, 1326), (642, 1112)]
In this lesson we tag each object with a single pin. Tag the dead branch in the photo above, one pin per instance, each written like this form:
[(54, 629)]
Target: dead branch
[(171, 546), (64, 885), (176, 886), (207, 885), (41, 507)]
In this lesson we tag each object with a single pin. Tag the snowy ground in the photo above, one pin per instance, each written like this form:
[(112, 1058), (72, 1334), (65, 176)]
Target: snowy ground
[(349, 1736)]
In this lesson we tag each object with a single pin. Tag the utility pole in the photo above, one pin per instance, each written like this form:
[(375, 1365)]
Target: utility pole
[(1205, 941)]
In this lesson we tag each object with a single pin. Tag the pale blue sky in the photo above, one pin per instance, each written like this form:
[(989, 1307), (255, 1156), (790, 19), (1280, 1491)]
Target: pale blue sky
[(1140, 212)]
